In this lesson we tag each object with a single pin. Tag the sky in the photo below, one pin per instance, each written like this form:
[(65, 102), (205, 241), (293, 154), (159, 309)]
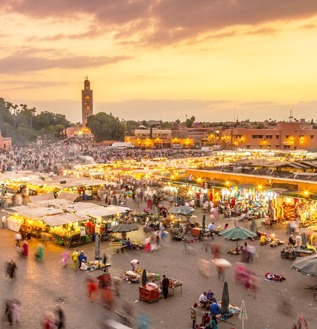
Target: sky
[(217, 60)]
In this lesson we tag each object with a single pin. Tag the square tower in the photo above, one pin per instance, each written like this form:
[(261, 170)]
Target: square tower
[(86, 102)]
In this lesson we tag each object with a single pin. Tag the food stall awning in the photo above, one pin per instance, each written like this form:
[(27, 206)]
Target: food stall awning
[(78, 206), (29, 212), (68, 196), (104, 211), (41, 197), (62, 219)]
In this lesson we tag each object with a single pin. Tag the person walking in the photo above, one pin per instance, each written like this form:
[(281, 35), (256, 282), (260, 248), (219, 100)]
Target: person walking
[(65, 257), (59, 318), (8, 312), (193, 314), (165, 286), (11, 268)]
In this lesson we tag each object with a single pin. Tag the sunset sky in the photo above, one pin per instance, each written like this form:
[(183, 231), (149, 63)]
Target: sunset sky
[(162, 59)]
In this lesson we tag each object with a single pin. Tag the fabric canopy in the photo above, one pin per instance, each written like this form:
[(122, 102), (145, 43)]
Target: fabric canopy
[(62, 219), (38, 212), (237, 233), (104, 211), (306, 265)]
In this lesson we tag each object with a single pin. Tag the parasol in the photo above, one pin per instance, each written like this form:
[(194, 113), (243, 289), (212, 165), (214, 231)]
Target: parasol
[(181, 210), (237, 233), (225, 299), (306, 265), (124, 228)]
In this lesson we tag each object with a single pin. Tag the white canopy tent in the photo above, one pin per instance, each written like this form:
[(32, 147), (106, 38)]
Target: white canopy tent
[(104, 211), (62, 219)]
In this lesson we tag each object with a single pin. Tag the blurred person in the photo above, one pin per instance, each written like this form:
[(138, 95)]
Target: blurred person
[(143, 321), (204, 267), (216, 250), (92, 288), (107, 298), (39, 255), (16, 311), (9, 312), (214, 322), (49, 320), (75, 260), (59, 318), (117, 284), (193, 315), (65, 257), (25, 248), (11, 268), (18, 239), (298, 241)]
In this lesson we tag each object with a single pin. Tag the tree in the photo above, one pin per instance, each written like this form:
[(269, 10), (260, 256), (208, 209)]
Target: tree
[(189, 122), (105, 127)]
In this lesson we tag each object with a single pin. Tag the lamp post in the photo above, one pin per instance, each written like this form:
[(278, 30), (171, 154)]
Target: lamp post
[(97, 243)]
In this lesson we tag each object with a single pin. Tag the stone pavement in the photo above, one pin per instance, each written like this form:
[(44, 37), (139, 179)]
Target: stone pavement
[(41, 286)]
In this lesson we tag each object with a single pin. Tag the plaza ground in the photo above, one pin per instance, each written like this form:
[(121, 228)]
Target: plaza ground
[(41, 286)]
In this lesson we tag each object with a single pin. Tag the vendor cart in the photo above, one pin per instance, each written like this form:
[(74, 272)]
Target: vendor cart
[(149, 294), (292, 253)]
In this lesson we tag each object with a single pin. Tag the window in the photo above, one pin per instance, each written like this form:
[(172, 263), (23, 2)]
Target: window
[(268, 136), (268, 146), (277, 146), (254, 136), (287, 146), (260, 146), (312, 136), (277, 136), (286, 136), (248, 146)]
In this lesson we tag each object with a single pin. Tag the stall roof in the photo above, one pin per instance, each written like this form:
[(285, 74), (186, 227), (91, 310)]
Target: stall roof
[(62, 219), (41, 197), (78, 206), (68, 196), (104, 211), (39, 212)]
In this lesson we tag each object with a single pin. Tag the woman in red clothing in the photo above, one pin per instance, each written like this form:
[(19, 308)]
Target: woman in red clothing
[(92, 288)]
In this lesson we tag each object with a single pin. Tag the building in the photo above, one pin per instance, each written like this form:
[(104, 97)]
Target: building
[(5, 143), (86, 102), (283, 136), (150, 138)]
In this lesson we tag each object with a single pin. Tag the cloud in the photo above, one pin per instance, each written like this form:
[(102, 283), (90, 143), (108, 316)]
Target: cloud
[(164, 21), (10, 85), (20, 63)]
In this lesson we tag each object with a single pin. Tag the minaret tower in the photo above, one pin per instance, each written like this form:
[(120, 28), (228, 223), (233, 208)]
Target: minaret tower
[(86, 102)]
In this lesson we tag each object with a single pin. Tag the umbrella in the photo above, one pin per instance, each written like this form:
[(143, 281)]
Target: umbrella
[(181, 210), (243, 313), (306, 265), (204, 223), (225, 299), (124, 228), (237, 233)]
